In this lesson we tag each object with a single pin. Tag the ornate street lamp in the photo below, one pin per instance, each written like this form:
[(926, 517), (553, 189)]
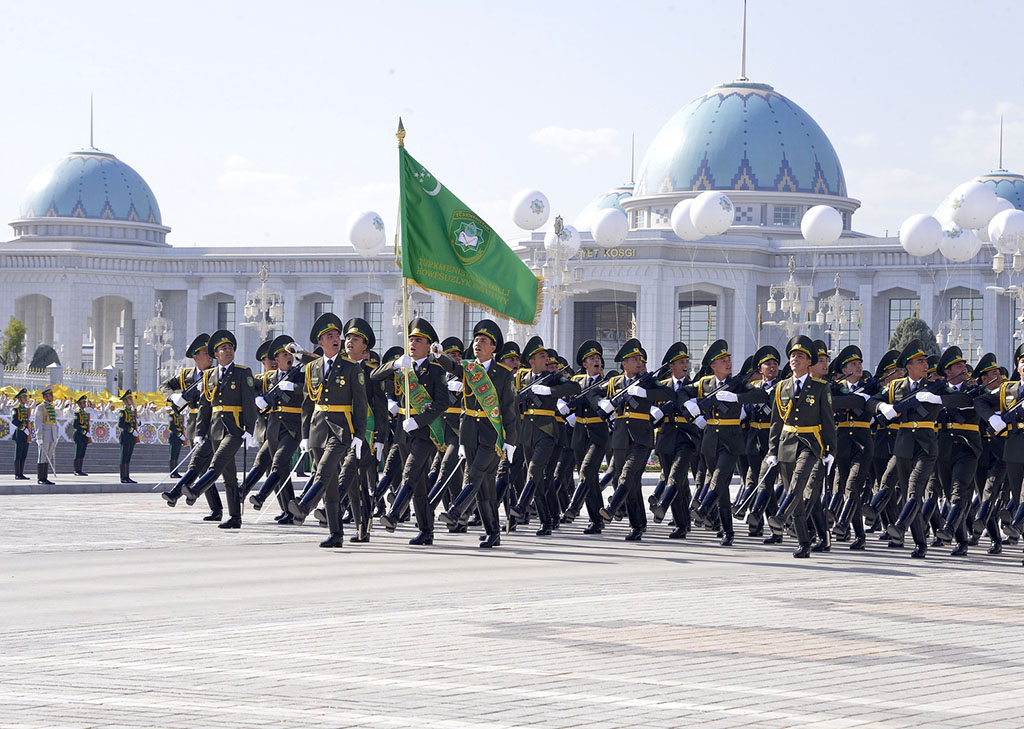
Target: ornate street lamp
[(159, 335), (836, 316), (264, 309), (785, 299)]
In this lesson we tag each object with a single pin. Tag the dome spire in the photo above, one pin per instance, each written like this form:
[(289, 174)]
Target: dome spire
[(91, 116), (1001, 142), (743, 46)]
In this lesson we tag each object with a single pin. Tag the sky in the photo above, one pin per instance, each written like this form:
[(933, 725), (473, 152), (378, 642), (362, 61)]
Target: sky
[(270, 124)]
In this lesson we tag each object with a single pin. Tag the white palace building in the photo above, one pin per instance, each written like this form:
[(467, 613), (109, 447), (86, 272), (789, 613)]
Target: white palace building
[(89, 260)]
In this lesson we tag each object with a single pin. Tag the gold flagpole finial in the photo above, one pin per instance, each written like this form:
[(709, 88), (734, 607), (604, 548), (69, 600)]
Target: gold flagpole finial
[(400, 133)]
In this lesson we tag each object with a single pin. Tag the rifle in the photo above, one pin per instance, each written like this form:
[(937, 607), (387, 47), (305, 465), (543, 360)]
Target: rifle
[(905, 403), (729, 385), (644, 380), (528, 399), (582, 397)]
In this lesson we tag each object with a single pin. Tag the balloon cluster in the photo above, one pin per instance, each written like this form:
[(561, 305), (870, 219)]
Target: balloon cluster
[(970, 215), (710, 213), (530, 210)]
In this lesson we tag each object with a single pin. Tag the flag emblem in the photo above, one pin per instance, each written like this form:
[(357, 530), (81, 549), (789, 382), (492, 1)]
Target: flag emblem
[(469, 236)]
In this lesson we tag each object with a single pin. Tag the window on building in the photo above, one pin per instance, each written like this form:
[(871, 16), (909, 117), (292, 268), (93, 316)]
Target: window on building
[(226, 315), (698, 325), (747, 215), (373, 312), (322, 307), (968, 311), (424, 309), (609, 322), (786, 215), (470, 316), (900, 309)]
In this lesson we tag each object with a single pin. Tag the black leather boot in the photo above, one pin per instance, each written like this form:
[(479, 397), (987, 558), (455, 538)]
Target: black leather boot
[(337, 537), (265, 491), (42, 472)]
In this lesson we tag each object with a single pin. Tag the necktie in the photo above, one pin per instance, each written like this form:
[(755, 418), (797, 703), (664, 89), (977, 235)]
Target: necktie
[(796, 387), (1020, 392), (223, 372), (327, 367)]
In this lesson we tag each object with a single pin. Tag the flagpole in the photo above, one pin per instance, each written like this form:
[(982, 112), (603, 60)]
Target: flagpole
[(400, 134)]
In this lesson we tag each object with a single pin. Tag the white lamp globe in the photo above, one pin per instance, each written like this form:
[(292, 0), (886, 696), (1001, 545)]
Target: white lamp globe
[(366, 232), (682, 223), (530, 209), (822, 225), (610, 228), (920, 235), (712, 212)]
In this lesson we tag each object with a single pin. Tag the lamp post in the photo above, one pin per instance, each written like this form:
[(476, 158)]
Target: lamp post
[(835, 315), (159, 335), (559, 282), (788, 304), (264, 309)]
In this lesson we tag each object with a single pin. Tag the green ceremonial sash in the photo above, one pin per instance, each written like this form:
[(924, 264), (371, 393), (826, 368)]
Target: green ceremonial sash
[(419, 399), (483, 390)]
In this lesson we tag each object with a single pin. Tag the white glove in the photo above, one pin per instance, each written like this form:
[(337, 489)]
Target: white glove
[(541, 389), (743, 412), (726, 396), (510, 450), (454, 385), (563, 406), (636, 391), (378, 450), (462, 451), (827, 462), (403, 361), (700, 422), (605, 404), (409, 425), (656, 413), (357, 446), (286, 385), (261, 403), (250, 440), (865, 396), (436, 350), (178, 400), (692, 407), (888, 411), (392, 407), (571, 420), (304, 445), (928, 398), (770, 461), (198, 441), (997, 423)]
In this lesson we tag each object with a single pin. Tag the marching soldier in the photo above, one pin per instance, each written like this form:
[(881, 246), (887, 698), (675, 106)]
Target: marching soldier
[(677, 442), (184, 391), (175, 437), (887, 372), (539, 391), (915, 449), (803, 434), (959, 449), (489, 428), (265, 454), (420, 433), (127, 428), (449, 481), (21, 420), (46, 434), (80, 424), (333, 421), (766, 361), (227, 417), (590, 434), (283, 403), (854, 449), (631, 398)]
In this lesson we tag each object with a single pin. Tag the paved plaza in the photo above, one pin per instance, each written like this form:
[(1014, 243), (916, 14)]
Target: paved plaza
[(120, 612)]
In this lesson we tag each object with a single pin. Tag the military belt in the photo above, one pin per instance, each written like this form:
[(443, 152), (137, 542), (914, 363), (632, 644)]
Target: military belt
[(347, 409), (235, 410), (760, 426), (453, 411), (589, 421), (286, 409), (630, 415), (475, 413), (539, 411), (724, 421), (854, 424), (919, 425), (972, 427), (814, 429), (678, 419)]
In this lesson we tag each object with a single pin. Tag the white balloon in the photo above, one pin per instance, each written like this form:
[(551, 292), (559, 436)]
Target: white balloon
[(920, 235), (1007, 230), (822, 225), (712, 212), (366, 232), (610, 227), (974, 204), (959, 244), (530, 209), (682, 223), (985, 232), (567, 241)]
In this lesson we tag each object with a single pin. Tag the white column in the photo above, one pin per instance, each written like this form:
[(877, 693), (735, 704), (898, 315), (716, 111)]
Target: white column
[(291, 309), (993, 324), (741, 341), (872, 345), (129, 347)]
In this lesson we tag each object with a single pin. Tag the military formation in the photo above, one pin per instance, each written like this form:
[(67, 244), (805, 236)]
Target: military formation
[(926, 453)]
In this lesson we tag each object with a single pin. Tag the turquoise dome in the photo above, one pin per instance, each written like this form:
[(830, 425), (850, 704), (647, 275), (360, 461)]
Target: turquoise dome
[(611, 199), (1007, 186), (741, 136), (90, 184)]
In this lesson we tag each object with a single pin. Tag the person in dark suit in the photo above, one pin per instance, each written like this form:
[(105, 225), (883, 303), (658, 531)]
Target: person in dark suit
[(915, 449), (333, 422), (227, 418), (590, 434), (127, 433), (854, 450), (264, 454), (81, 434), (21, 419), (419, 406), (803, 433), (489, 428), (766, 361), (632, 433)]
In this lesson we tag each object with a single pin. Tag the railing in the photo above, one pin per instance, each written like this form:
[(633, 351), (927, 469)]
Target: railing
[(77, 380)]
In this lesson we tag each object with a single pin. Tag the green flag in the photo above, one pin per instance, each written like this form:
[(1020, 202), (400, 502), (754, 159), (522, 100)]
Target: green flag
[(448, 248)]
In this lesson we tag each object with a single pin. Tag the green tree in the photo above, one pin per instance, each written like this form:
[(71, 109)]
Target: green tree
[(12, 343), (914, 328)]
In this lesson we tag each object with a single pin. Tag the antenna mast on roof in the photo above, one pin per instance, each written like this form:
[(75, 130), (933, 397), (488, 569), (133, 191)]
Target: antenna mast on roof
[(1000, 141), (91, 145), (743, 46)]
